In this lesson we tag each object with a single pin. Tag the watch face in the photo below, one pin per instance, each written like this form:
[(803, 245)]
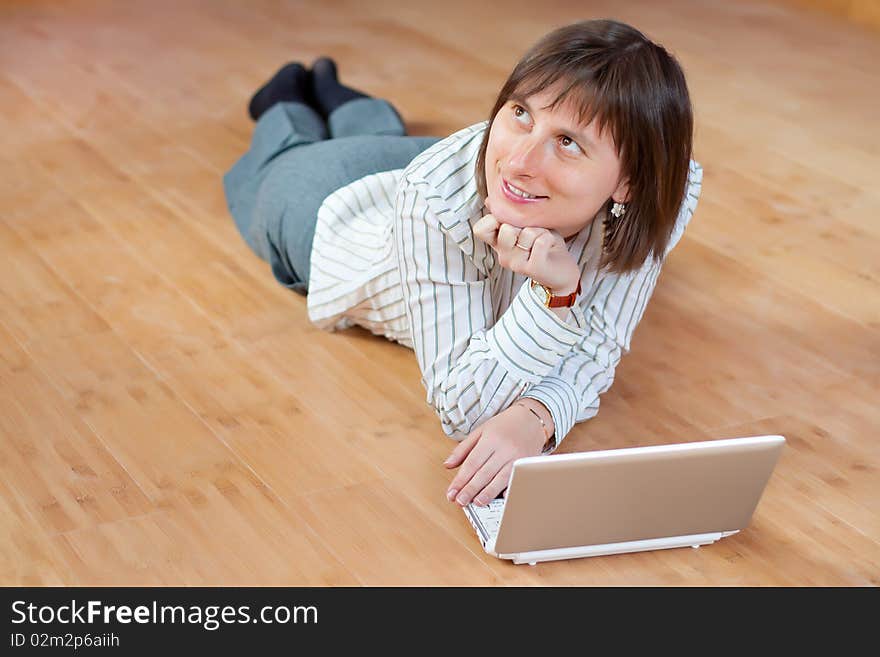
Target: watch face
[(542, 292)]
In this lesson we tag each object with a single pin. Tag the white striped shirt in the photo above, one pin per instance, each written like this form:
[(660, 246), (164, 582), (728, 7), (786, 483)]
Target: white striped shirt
[(395, 253)]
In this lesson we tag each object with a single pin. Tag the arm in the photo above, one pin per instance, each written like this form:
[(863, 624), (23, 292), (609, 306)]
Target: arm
[(570, 392), (614, 307), (473, 364)]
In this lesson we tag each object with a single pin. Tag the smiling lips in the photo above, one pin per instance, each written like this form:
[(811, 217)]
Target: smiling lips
[(513, 196)]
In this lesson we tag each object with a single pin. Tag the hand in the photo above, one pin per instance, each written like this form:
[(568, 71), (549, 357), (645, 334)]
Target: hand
[(488, 454), (547, 260)]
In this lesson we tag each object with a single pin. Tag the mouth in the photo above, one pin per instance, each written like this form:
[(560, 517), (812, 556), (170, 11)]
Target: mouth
[(516, 195)]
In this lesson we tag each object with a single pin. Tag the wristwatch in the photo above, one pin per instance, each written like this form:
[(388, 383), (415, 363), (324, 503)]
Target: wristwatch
[(546, 296)]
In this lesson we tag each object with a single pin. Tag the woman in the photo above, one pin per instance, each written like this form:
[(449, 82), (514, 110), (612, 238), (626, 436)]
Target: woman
[(515, 257)]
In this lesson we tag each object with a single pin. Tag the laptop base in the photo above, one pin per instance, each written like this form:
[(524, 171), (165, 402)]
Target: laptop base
[(694, 540)]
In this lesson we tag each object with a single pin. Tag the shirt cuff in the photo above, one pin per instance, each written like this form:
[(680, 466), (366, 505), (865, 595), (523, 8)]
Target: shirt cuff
[(560, 398), (529, 338)]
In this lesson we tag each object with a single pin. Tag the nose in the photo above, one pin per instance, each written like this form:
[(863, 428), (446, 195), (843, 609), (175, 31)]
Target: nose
[(524, 158)]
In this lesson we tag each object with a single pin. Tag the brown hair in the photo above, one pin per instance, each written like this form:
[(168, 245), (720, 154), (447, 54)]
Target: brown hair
[(634, 86)]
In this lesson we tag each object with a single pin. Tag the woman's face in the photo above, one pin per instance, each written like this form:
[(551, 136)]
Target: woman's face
[(571, 170)]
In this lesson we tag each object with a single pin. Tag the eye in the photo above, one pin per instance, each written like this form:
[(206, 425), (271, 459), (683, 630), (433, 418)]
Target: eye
[(517, 109), (564, 138)]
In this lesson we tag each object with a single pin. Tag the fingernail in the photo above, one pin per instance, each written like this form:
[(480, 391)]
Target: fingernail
[(448, 461), (461, 500), (451, 493)]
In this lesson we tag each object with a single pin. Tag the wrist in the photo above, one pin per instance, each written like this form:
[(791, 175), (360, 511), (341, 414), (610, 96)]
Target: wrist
[(560, 289), (565, 290), (569, 282), (554, 298), (542, 417)]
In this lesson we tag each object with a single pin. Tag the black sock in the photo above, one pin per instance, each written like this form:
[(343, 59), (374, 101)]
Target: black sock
[(327, 90), (290, 83)]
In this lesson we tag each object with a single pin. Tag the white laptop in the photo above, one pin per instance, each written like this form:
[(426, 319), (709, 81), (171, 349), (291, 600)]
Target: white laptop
[(565, 506)]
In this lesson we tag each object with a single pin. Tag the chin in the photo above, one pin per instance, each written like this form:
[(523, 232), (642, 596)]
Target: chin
[(506, 218)]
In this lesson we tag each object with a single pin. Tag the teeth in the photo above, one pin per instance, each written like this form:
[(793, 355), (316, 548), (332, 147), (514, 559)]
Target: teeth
[(519, 192)]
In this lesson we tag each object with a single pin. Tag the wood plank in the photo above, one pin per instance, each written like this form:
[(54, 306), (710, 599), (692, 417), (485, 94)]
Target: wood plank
[(58, 467), (36, 301)]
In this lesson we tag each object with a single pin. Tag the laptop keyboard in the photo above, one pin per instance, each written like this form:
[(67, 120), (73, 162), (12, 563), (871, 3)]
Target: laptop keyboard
[(486, 519)]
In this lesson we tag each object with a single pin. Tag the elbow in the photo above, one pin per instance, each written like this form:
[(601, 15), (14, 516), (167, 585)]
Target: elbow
[(453, 419), (452, 430)]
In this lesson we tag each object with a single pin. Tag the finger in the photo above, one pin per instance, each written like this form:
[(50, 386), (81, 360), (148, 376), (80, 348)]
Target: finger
[(480, 479), (475, 461), (541, 249), (518, 259), (462, 449), (486, 229), (507, 235), (522, 254), (499, 482), (556, 235), (528, 235), (459, 454)]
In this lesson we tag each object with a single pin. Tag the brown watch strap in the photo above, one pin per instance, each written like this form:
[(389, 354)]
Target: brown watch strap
[(567, 301)]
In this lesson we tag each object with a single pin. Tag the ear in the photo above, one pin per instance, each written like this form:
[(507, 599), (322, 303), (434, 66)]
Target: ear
[(621, 194)]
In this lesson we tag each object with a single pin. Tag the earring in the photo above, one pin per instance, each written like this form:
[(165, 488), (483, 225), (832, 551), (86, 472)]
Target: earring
[(610, 226)]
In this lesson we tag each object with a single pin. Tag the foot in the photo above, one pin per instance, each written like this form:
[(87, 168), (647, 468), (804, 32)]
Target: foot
[(326, 88), (291, 83)]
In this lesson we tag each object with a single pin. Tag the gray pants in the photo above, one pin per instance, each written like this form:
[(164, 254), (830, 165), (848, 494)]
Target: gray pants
[(295, 161)]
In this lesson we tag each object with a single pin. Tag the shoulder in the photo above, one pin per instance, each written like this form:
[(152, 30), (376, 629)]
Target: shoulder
[(449, 157), (444, 176), (688, 204)]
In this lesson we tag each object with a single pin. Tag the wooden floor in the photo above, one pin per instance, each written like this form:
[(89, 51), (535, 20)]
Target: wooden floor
[(169, 416)]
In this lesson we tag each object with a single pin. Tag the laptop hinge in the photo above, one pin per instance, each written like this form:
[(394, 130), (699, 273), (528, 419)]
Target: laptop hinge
[(692, 540)]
